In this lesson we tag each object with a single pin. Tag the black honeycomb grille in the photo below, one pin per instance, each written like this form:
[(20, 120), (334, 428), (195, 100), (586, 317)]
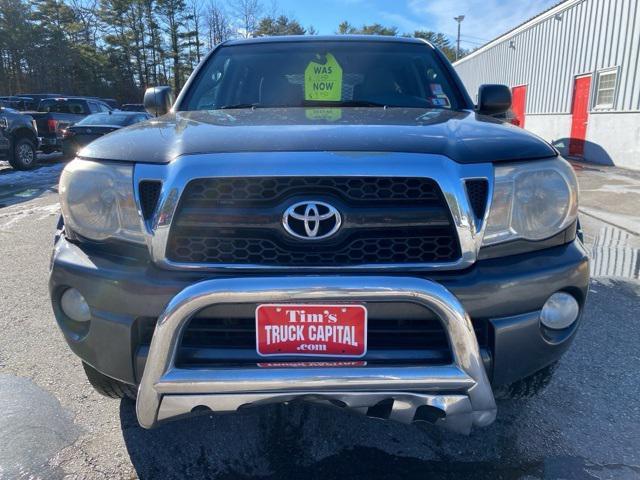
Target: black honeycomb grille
[(149, 195), (268, 190), (238, 221), (478, 190), (423, 249)]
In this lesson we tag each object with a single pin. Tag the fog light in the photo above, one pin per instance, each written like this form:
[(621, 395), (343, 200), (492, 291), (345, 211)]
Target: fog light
[(75, 306), (559, 311)]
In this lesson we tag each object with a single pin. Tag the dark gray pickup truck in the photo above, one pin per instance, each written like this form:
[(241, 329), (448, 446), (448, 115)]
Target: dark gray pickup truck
[(18, 139), (54, 115), (323, 219)]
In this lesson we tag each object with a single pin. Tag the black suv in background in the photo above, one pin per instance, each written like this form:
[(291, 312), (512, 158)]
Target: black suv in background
[(16, 102), (18, 139)]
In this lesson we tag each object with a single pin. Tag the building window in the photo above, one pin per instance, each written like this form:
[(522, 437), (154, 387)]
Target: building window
[(606, 91)]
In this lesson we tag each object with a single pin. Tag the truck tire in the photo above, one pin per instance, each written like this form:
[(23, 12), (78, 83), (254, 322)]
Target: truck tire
[(23, 154), (107, 386), (529, 386)]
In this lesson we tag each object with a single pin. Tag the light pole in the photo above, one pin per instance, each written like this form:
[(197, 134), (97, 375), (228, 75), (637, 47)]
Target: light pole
[(458, 19)]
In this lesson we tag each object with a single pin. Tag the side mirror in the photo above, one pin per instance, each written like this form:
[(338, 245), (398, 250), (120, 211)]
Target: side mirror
[(493, 99), (158, 100)]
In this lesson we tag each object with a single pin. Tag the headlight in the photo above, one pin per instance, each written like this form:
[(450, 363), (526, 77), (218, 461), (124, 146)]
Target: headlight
[(531, 201), (97, 201)]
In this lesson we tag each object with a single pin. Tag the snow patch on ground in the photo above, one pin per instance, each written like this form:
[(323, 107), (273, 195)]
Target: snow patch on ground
[(12, 215), (14, 177)]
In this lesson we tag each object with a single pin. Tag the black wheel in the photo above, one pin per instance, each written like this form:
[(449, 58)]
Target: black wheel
[(529, 386), (107, 386), (23, 155)]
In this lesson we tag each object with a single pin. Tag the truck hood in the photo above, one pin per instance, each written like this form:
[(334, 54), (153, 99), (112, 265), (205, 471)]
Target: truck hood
[(462, 136)]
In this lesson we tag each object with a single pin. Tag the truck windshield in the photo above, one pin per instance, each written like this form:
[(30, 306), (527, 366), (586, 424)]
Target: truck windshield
[(304, 74), (63, 106)]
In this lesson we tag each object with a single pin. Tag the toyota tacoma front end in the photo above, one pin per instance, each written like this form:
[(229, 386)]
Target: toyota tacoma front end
[(327, 219)]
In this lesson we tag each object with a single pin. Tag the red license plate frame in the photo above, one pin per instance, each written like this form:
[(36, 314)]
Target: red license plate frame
[(311, 330)]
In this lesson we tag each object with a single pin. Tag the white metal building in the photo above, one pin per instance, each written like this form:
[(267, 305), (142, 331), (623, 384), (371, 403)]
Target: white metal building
[(575, 78)]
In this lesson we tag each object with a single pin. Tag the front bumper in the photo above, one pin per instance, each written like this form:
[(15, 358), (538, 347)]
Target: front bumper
[(509, 292), (167, 391), (50, 142)]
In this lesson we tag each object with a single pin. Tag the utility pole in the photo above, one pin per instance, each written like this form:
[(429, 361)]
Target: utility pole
[(458, 19)]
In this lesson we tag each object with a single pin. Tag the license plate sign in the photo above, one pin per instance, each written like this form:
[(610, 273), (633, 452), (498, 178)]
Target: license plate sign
[(311, 330)]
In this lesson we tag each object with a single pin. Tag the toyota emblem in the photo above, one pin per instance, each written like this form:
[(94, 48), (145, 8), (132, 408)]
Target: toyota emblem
[(311, 220)]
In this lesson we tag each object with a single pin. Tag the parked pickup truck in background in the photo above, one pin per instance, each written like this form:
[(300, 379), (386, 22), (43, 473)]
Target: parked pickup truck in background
[(36, 98), (18, 139), (16, 102), (55, 114), (324, 219)]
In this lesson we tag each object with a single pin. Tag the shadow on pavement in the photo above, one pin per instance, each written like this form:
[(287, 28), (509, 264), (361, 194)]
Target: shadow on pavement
[(593, 152), (579, 425), (273, 442)]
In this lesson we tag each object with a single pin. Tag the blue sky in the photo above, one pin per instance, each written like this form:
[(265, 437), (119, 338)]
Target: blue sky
[(485, 19)]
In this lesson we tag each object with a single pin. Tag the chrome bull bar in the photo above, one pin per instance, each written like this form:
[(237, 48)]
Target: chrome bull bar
[(460, 391)]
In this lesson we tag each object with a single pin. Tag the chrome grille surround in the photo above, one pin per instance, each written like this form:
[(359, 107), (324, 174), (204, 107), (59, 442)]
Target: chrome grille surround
[(449, 175)]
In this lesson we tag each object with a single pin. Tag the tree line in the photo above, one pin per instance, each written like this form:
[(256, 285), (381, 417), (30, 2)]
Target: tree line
[(117, 48)]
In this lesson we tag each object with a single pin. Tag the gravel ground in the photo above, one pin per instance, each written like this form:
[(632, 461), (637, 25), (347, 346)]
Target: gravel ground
[(586, 423)]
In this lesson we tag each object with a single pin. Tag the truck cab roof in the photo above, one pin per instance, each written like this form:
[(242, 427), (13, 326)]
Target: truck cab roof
[(327, 38)]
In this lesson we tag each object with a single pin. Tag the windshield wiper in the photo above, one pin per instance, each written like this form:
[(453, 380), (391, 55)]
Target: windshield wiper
[(319, 104), (346, 103), (365, 103), (239, 106)]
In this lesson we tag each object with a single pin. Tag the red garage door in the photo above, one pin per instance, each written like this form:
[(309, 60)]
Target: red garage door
[(519, 104), (579, 115)]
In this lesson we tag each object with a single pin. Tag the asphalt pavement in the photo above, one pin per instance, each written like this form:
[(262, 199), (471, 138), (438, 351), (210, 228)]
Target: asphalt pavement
[(584, 425)]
